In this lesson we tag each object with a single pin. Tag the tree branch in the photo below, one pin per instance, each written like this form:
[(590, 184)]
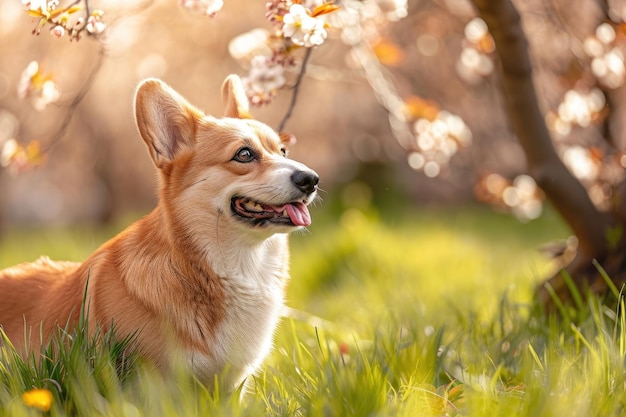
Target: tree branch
[(91, 78), (564, 191), (296, 90)]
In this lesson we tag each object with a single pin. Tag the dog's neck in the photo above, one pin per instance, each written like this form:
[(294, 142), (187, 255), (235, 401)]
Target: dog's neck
[(254, 258), (240, 264)]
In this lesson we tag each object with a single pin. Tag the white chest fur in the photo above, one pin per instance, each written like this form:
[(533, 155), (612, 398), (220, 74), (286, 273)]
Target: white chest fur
[(253, 282)]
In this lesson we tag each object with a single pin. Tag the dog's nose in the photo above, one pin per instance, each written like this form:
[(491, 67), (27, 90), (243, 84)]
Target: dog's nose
[(305, 181)]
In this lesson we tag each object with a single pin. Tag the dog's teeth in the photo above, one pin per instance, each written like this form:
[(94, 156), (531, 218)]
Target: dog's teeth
[(285, 213), (252, 205)]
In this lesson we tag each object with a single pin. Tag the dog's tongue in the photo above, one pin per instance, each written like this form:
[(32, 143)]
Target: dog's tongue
[(299, 214)]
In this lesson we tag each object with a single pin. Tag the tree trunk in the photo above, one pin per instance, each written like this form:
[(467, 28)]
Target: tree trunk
[(561, 188)]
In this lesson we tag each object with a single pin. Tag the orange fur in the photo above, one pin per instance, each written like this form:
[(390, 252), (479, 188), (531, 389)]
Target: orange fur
[(202, 277)]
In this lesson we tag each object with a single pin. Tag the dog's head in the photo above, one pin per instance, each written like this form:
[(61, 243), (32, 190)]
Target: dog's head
[(232, 169)]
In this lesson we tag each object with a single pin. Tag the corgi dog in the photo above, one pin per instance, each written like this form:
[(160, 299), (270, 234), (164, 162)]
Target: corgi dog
[(201, 279)]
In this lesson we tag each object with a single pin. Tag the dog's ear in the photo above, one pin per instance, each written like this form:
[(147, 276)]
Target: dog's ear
[(166, 121), (235, 98)]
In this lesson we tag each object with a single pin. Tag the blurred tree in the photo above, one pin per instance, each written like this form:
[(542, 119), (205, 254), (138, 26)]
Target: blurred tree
[(600, 234)]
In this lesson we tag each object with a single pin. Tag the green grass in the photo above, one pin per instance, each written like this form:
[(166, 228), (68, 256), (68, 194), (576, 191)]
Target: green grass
[(422, 313)]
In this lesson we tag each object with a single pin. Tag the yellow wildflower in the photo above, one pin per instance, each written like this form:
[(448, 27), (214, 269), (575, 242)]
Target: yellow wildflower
[(40, 398)]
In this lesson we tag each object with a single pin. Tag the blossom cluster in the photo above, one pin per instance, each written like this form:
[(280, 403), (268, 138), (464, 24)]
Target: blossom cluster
[(42, 90), (596, 168), (62, 21), (607, 59), (584, 107), (296, 24), (583, 162), (521, 196), (302, 27), (300, 22), (17, 157), (438, 136), (580, 107), (38, 86), (475, 61)]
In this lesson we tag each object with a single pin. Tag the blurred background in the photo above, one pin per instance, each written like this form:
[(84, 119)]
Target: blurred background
[(429, 226), (430, 60)]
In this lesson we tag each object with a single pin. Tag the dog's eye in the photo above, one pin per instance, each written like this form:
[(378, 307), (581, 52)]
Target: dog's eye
[(283, 152), (244, 155)]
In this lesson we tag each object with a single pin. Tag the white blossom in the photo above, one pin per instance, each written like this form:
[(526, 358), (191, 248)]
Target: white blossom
[(302, 28), (265, 75), (206, 7)]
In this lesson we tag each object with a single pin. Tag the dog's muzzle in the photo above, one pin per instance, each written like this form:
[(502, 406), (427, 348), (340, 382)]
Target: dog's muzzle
[(293, 212)]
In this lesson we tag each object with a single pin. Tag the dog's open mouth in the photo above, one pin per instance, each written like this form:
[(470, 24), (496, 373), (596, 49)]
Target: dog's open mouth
[(290, 214)]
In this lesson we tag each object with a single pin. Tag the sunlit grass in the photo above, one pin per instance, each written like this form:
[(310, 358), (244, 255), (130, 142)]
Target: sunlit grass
[(420, 314)]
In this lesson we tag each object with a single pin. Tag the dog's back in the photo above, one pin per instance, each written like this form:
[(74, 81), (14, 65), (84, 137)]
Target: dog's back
[(44, 292)]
